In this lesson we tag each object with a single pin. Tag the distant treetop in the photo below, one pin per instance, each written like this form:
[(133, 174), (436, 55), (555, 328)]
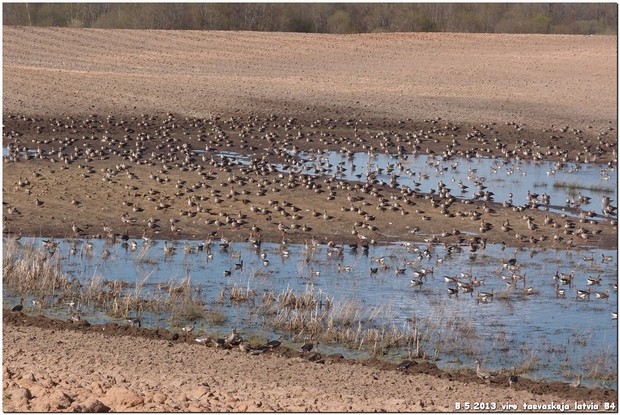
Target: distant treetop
[(559, 18)]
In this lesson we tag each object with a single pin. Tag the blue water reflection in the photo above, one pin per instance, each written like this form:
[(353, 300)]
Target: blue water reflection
[(563, 182), (558, 336)]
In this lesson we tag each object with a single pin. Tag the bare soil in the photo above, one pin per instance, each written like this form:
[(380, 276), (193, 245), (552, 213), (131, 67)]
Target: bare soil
[(120, 109), (164, 371)]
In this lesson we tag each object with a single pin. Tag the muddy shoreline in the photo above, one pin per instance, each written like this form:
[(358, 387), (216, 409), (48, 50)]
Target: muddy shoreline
[(168, 342), (157, 184)]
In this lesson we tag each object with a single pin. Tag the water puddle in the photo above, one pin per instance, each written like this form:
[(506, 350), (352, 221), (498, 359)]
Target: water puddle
[(527, 325)]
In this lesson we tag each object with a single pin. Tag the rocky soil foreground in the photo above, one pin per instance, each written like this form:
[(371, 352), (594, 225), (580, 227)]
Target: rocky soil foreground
[(63, 366)]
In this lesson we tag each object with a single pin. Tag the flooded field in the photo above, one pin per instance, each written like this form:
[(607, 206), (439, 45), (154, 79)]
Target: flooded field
[(454, 305), (567, 184), (569, 188)]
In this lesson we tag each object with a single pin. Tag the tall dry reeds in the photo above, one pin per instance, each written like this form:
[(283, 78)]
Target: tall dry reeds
[(344, 321), (34, 271), (31, 271)]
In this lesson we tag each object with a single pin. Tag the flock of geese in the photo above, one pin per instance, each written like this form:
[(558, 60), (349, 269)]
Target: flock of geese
[(172, 149)]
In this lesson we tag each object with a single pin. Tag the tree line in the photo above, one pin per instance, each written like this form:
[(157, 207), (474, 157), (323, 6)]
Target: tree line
[(558, 18)]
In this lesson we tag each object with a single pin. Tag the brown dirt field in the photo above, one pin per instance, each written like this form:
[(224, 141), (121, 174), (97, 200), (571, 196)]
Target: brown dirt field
[(167, 372), (533, 80), (527, 96)]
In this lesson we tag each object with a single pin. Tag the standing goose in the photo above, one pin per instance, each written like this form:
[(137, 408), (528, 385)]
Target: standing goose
[(307, 346), (189, 328), (134, 322), (19, 307), (169, 249), (244, 347), (564, 278), (234, 339), (482, 374), (315, 356), (513, 378), (76, 230)]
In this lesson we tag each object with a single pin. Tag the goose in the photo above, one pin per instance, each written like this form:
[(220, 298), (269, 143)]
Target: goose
[(169, 249), (510, 264), (583, 294), (207, 341), (602, 295), (49, 243), (560, 292), (273, 344), (577, 382), (189, 328), (594, 280), (449, 279), (513, 378), (605, 259), (234, 339), (345, 268), (315, 357), (19, 307), (76, 230), (588, 258), (416, 283), (244, 347), (485, 295), (259, 350), (482, 374), (221, 343), (134, 322), (404, 365), (399, 271), (614, 315), (528, 290), (564, 278), (423, 272), (467, 288), (307, 346)]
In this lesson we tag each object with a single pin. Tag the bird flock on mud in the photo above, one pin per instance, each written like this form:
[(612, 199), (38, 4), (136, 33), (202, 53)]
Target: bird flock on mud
[(195, 184), (247, 177)]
